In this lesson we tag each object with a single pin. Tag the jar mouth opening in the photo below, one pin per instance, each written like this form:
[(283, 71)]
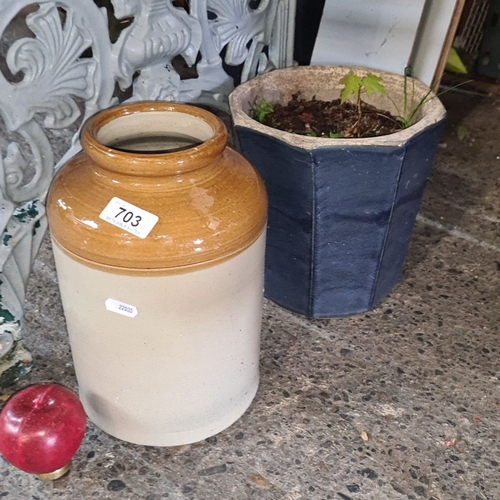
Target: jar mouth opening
[(153, 138), (155, 132)]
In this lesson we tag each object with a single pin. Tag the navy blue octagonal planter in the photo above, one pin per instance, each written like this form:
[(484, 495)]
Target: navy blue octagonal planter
[(341, 211)]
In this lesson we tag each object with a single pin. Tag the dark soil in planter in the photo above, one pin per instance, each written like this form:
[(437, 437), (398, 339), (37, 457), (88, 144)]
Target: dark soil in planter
[(331, 119)]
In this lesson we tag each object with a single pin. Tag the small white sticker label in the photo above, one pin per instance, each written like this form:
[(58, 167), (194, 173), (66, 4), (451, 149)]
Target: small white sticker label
[(121, 308), (133, 219)]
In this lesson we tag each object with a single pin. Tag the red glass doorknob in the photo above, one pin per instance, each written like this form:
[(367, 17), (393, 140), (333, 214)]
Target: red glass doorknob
[(41, 428)]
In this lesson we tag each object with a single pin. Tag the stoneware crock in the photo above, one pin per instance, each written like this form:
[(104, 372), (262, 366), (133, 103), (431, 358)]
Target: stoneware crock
[(341, 211), (158, 232)]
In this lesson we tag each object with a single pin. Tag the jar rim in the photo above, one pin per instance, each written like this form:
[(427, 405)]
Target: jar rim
[(152, 163)]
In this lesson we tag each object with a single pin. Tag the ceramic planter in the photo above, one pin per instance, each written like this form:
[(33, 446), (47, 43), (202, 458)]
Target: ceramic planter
[(160, 260), (341, 211)]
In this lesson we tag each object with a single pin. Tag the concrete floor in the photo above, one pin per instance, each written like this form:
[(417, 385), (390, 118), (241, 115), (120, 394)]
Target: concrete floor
[(400, 403)]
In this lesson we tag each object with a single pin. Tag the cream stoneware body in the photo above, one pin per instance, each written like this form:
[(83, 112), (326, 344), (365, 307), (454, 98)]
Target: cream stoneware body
[(164, 322)]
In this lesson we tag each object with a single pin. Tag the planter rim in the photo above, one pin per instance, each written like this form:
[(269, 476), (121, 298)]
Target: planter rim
[(432, 112)]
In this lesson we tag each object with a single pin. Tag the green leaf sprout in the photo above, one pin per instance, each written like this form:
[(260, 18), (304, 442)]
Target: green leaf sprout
[(261, 109)]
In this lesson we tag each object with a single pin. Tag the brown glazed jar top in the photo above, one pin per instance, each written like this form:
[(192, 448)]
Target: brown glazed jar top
[(210, 201)]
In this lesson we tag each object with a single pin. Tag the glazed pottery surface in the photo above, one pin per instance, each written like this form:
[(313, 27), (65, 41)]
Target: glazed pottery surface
[(164, 327), (341, 211)]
